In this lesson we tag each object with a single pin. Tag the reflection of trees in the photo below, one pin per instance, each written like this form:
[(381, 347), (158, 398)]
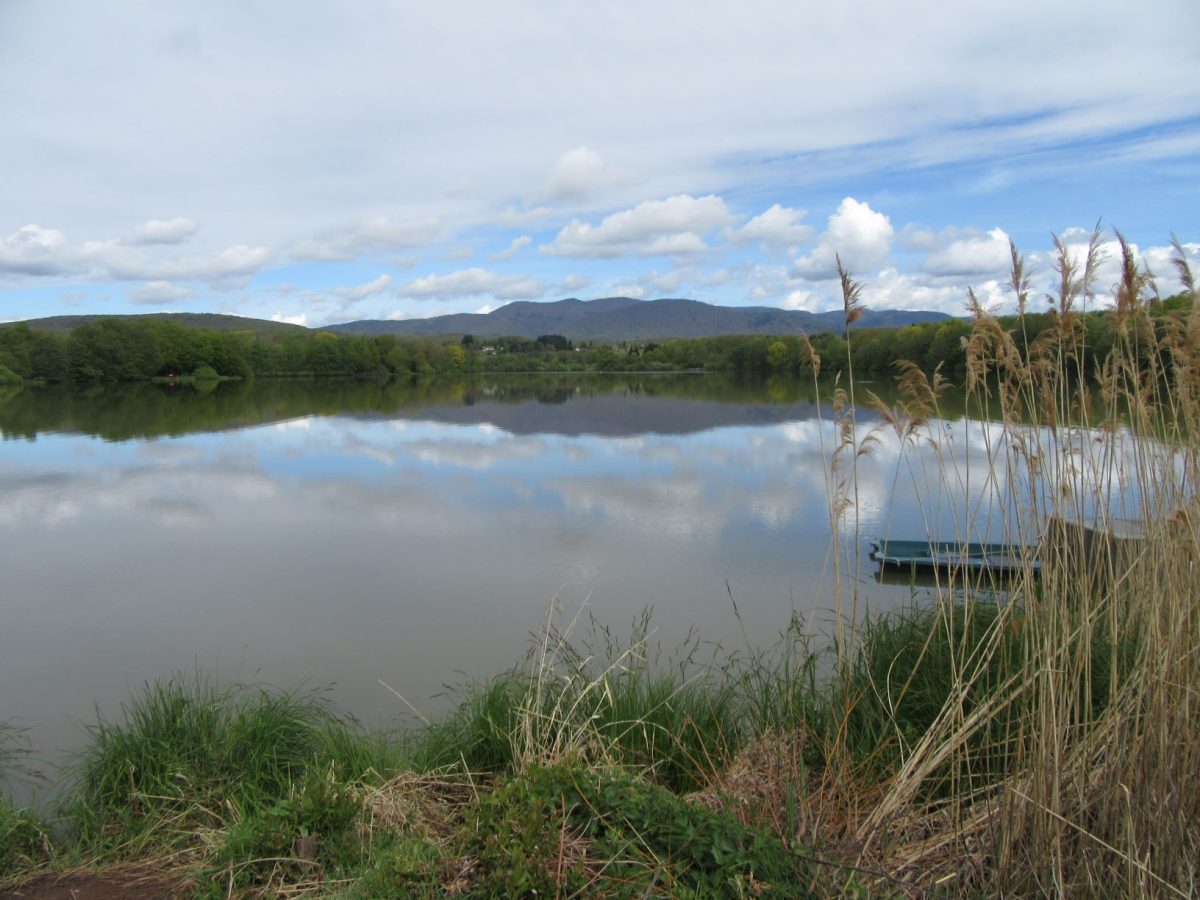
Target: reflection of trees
[(554, 395), (146, 410)]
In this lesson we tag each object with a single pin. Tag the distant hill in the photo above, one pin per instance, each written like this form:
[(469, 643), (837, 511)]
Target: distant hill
[(606, 320), (208, 321), (627, 319)]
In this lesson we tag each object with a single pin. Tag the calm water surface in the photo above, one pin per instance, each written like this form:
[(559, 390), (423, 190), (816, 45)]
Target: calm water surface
[(343, 534)]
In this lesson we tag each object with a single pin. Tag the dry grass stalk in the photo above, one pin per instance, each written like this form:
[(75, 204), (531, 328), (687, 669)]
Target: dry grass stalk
[(428, 804), (1103, 783)]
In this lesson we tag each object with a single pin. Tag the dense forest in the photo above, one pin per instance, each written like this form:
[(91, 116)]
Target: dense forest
[(138, 349), (121, 349)]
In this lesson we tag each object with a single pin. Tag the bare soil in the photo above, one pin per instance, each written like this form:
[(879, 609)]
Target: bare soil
[(97, 886)]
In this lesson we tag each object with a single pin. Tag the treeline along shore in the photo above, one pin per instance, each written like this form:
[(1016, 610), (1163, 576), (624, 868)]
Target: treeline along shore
[(137, 348)]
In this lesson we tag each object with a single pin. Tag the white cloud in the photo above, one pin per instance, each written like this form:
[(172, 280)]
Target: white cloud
[(474, 282), (623, 289), (160, 292), (893, 289), (665, 283), (777, 227), (371, 235), (1108, 270), (579, 174), (858, 234), (802, 300), (33, 250), (164, 231), (362, 291), (670, 227), (514, 217), (1161, 263), (574, 282), (109, 259), (301, 319), (978, 254), (514, 247)]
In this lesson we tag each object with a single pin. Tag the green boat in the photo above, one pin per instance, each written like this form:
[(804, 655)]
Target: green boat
[(969, 555)]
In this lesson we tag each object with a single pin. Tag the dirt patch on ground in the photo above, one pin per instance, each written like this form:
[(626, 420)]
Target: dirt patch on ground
[(93, 886)]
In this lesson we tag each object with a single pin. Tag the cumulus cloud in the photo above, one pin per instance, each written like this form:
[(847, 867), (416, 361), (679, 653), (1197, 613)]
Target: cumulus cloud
[(578, 175), (362, 291), (663, 283), (473, 282), (160, 292), (520, 217), (372, 235), (802, 300), (624, 289), (977, 254), (1160, 261), (517, 244), (575, 281), (858, 234), (34, 250), (777, 227), (671, 227), (164, 231), (893, 289), (301, 319), (117, 263)]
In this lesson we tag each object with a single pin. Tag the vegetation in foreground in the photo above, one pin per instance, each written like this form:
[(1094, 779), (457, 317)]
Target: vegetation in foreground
[(1045, 743)]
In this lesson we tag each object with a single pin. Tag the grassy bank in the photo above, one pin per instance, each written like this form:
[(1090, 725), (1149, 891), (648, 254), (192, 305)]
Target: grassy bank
[(1039, 736), (594, 767)]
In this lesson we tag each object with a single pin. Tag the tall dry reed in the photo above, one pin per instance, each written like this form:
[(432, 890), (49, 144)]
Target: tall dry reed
[(1084, 681)]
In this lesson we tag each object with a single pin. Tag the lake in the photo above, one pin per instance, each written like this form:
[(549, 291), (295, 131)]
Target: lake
[(342, 534)]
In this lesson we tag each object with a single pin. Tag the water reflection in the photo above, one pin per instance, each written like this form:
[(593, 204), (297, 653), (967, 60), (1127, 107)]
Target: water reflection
[(347, 532), (615, 405)]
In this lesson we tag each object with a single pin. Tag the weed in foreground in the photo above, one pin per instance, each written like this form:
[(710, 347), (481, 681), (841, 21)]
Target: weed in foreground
[(25, 840), (571, 829), (253, 783)]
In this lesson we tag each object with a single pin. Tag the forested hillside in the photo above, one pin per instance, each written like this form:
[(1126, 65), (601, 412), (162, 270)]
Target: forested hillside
[(139, 348)]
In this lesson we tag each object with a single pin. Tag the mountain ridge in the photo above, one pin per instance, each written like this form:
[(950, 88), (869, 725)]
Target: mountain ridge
[(612, 319), (605, 320)]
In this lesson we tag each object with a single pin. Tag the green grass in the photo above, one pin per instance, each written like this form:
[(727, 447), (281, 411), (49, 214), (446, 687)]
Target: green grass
[(571, 829), (25, 839), (573, 772), (188, 755)]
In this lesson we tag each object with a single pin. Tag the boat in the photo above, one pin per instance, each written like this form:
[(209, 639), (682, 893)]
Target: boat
[(968, 555)]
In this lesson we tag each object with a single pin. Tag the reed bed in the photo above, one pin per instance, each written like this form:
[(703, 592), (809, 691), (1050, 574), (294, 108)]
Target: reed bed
[(1064, 754), (1036, 736)]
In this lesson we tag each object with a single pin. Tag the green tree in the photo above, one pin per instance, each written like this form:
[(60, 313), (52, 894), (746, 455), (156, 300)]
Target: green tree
[(779, 355)]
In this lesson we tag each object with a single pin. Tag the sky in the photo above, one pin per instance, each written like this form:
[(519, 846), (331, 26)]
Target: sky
[(319, 163)]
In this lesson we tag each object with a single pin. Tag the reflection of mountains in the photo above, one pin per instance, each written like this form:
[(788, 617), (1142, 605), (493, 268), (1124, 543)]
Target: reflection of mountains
[(572, 405), (615, 416)]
